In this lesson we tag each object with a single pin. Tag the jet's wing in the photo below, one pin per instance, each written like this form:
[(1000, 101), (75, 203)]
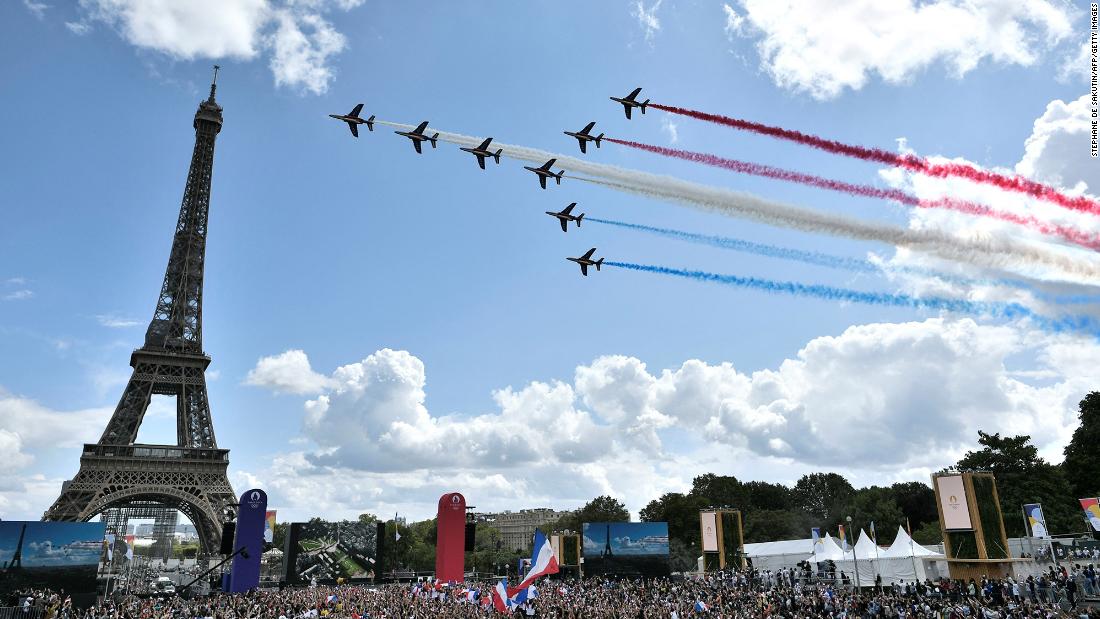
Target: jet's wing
[(588, 127), (564, 224), (485, 144), (627, 108), (584, 269), (583, 150), (356, 110), (549, 164), (588, 254), (416, 145), (354, 129), (542, 181), (421, 127), (633, 93), (480, 160), (568, 209)]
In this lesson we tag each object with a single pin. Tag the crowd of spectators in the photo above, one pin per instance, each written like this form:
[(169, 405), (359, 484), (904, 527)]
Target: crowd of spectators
[(782, 594)]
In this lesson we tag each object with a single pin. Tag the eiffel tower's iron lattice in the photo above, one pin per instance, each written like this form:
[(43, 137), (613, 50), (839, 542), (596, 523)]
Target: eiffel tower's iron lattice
[(189, 476)]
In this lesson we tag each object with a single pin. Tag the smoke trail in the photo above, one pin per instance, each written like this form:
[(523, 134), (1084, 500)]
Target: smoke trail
[(844, 263), (1008, 311), (1004, 253), (1013, 183), (866, 191)]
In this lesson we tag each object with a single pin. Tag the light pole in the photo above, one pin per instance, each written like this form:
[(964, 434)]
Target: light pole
[(855, 559)]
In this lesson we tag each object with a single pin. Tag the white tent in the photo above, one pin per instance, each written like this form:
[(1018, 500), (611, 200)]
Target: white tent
[(904, 546), (827, 550), (865, 548)]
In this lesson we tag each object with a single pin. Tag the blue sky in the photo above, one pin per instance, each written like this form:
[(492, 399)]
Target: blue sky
[(552, 386)]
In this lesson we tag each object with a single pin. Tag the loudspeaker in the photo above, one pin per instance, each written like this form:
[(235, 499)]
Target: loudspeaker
[(380, 546), (228, 530), (471, 533)]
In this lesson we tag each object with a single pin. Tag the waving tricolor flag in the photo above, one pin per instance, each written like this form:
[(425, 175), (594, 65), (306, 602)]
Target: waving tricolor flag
[(500, 597), (543, 562)]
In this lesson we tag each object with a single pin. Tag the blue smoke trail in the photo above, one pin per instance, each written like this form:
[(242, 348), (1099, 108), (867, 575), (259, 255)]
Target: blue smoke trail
[(858, 265), (1008, 311)]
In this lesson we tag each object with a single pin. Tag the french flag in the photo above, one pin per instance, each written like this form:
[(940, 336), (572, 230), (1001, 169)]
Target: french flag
[(543, 562), (472, 594), (500, 597), (700, 607)]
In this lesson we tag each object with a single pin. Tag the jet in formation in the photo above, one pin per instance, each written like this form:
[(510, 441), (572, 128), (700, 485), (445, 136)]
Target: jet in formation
[(481, 152), (586, 260), (417, 136), (583, 136), (565, 216), (629, 102), (354, 121), (545, 172)]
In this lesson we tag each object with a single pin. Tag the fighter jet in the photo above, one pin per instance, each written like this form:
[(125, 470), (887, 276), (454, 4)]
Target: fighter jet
[(481, 152), (417, 136), (545, 172), (587, 260), (354, 121), (584, 136), (629, 102), (564, 217)]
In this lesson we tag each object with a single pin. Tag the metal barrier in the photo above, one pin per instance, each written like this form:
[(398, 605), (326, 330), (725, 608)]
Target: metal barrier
[(17, 612)]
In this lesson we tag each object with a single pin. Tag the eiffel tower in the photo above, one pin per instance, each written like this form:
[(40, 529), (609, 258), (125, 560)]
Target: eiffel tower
[(190, 476)]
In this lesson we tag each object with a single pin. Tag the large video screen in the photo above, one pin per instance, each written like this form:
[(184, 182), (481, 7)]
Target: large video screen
[(626, 548), (330, 550), (55, 555)]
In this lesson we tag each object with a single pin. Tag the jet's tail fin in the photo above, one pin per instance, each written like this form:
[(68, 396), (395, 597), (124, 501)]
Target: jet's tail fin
[(496, 155), (370, 123), (557, 176), (598, 138), (579, 218), (433, 139), (599, 263), (644, 103)]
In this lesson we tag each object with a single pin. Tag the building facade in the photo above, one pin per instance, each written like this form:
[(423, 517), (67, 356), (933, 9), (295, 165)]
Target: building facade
[(517, 529)]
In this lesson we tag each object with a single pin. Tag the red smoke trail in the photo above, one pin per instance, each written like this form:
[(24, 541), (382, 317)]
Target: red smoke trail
[(1013, 183), (1072, 235)]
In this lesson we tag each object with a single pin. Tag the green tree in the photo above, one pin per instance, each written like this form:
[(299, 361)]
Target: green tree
[(823, 495), (929, 533), (1082, 466), (719, 490), (599, 509), (763, 495), (875, 504), (1023, 477), (769, 525), (917, 502), (680, 511)]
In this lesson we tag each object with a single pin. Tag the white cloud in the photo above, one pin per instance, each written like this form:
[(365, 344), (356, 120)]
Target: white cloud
[(15, 281), (1057, 151), (19, 295), (116, 322), (670, 127), (38, 9), (40, 427), (824, 48), (911, 396), (288, 372), (735, 23), (186, 30), (647, 18), (300, 41), (302, 45), (1077, 65), (79, 28)]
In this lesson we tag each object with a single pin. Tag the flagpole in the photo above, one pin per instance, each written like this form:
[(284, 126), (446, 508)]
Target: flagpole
[(874, 539), (912, 555)]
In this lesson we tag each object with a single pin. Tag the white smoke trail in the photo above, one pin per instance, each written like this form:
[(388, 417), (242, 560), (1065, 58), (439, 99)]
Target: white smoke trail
[(1000, 253)]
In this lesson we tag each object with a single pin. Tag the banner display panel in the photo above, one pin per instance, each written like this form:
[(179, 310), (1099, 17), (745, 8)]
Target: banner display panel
[(956, 514), (626, 548), (708, 526)]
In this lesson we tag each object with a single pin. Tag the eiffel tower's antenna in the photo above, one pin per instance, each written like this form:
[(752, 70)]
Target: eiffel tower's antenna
[(214, 83)]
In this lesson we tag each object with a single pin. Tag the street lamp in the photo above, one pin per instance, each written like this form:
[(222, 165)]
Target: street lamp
[(855, 559)]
